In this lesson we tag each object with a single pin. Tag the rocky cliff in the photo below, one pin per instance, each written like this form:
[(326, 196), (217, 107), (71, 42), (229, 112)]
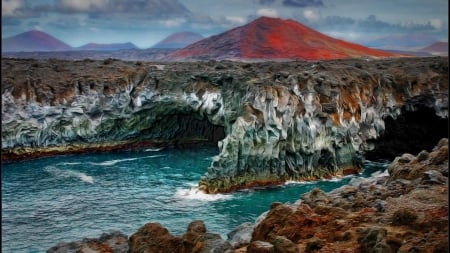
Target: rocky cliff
[(273, 121)]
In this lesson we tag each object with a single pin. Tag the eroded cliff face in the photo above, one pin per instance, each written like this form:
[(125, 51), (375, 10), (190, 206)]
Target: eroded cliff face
[(276, 121)]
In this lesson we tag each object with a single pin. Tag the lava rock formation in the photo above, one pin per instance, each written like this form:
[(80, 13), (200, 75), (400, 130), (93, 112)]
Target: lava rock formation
[(273, 121)]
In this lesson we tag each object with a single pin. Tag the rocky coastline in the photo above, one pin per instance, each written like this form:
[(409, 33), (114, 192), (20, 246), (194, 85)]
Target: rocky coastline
[(272, 121), (402, 210)]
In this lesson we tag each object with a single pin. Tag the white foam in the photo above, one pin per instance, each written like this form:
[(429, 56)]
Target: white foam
[(114, 162), (153, 149), (298, 182), (85, 178), (69, 163), (194, 193), (383, 173), (69, 173)]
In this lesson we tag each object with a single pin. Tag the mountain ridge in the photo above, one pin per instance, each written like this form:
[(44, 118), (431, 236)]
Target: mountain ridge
[(107, 46), (39, 41), (274, 38), (178, 40), (32, 41)]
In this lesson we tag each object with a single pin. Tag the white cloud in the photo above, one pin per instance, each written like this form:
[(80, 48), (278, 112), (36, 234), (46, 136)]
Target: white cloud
[(173, 22), (437, 23), (268, 12), (236, 20), (84, 5), (38, 27), (11, 7), (312, 15)]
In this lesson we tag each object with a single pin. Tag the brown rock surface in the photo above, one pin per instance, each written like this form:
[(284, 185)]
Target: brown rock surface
[(403, 212)]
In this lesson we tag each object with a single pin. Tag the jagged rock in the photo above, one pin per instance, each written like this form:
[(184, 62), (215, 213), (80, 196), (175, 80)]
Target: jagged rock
[(153, 237), (273, 121), (371, 215), (284, 245), (114, 242), (241, 235), (261, 247), (374, 240)]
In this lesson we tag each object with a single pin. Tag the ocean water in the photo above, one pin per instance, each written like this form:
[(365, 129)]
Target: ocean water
[(66, 198)]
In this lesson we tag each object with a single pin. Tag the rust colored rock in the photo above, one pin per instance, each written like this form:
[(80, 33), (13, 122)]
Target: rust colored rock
[(260, 247), (153, 237), (382, 214)]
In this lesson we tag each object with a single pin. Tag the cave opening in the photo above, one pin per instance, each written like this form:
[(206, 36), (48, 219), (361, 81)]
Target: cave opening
[(411, 132), (184, 130)]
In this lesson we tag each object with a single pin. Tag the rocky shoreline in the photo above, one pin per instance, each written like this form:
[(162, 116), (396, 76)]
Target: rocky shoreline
[(272, 121), (404, 210)]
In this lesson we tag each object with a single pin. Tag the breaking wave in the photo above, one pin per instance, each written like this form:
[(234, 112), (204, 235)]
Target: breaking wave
[(194, 193), (69, 174)]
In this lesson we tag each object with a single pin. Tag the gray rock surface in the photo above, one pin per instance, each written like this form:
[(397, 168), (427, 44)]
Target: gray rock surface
[(273, 121)]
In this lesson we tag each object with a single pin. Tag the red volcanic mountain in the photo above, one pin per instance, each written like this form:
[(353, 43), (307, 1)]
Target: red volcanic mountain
[(437, 47), (179, 40), (274, 38), (33, 41)]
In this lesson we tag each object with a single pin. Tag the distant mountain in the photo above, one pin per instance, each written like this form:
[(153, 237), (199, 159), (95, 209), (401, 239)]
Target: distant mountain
[(402, 42), (107, 47), (274, 38), (33, 41), (437, 47), (179, 40)]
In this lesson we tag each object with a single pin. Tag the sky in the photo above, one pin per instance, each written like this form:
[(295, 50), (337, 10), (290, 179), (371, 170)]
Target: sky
[(146, 22)]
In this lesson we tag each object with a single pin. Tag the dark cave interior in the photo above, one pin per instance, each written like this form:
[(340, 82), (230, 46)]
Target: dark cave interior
[(411, 132)]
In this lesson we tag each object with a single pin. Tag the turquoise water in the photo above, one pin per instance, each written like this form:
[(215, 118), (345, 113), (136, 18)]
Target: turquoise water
[(67, 198)]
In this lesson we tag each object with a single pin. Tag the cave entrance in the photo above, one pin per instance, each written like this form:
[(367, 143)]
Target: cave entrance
[(411, 132), (184, 130)]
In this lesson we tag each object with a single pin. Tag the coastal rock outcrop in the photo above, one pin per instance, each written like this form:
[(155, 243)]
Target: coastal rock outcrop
[(405, 210), (273, 121), (402, 209)]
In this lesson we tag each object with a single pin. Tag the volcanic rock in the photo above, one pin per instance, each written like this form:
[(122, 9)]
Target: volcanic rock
[(152, 237), (413, 218), (114, 242), (266, 118)]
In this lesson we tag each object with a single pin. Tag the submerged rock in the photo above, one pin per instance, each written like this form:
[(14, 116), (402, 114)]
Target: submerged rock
[(273, 121)]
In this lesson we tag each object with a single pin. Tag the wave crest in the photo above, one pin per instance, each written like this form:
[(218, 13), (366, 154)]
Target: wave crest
[(194, 193)]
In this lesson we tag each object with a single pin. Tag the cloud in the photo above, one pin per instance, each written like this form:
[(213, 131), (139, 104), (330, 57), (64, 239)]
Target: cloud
[(11, 8), (236, 20), (312, 15), (83, 5), (303, 3), (173, 22), (266, 2), (437, 23), (267, 12), (131, 8), (21, 9)]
